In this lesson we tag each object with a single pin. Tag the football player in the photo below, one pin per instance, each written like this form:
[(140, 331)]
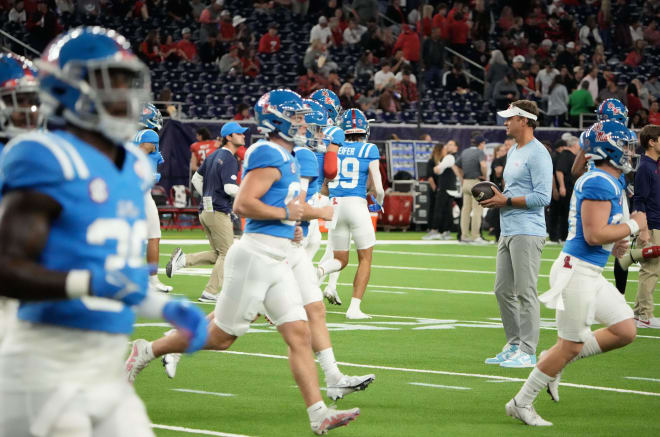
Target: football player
[(72, 231), (147, 139), (19, 104), (259, 279), (579, 292), (357, 168)]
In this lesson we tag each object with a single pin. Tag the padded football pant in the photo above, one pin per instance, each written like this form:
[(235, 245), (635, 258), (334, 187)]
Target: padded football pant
[(516, 278)]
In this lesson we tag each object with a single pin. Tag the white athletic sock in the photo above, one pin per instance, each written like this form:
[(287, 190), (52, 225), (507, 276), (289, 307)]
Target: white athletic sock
[(316, 411), (332, 280), (328, 364), (536, 381), (330, 266), (590, 348), (355, 304)]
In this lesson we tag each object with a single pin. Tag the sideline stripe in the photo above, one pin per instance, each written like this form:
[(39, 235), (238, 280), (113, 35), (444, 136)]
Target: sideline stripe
[(642, 379), (442, 372), (451, 387), (202, 392), (191, 242), (196, 431)]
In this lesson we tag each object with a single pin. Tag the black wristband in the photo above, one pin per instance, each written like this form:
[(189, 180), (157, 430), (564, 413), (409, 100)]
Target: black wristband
[(509, 202)]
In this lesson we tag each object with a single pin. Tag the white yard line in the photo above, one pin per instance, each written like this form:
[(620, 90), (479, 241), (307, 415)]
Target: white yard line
[(202, 392), (387, 292), (442, 372), (451, 387), (196, 431), (642, 379)]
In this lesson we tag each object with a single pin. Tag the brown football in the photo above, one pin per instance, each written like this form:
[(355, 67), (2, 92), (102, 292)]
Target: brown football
[(484, 190)]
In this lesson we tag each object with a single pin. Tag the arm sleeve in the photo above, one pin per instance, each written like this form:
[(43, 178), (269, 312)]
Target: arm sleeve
[(374, 171), (202, 168), (642, 189), (330, 163), (540, 167), (197, 181)]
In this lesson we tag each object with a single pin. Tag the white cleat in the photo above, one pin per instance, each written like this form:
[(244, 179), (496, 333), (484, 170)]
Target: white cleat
[(356, 315), (553, 386), (349, 384), (207, 297), (155, 283), (334, 419), (170, 361), (139, 358), (332, 295), (176, 262), (527, 414)]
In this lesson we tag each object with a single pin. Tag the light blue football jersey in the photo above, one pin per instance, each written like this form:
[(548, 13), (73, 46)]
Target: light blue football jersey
[(309, 168), (102, 223), (353, 169), (264, 154), (594, 185)]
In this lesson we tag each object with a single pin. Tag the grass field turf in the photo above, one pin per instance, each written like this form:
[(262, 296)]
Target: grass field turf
[(435, 333)]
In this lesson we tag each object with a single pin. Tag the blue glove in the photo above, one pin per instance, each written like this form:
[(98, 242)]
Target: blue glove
[(187, 318), (374, 206), (334, 135), (128, 285)]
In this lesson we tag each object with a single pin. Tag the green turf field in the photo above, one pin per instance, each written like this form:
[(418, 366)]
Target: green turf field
[(435, 321)]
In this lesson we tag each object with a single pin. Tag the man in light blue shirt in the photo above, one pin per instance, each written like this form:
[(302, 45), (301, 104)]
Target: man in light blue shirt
[(528, 181)]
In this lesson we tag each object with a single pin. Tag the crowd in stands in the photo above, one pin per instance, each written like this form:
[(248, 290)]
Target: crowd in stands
[(390, 58)]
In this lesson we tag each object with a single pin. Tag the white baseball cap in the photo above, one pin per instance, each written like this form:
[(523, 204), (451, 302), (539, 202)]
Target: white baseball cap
[(512, 111)]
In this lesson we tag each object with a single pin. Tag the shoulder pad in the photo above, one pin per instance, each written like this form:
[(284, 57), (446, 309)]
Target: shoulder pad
[(596, 185), (265, 154)]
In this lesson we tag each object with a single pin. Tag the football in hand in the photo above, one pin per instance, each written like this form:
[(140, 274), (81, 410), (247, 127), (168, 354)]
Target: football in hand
[(484, 190)]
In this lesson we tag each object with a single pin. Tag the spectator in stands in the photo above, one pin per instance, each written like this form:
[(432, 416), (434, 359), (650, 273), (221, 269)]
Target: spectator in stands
[(544, 78), (384, 76), (89, 7), (270, 41), (317, 56), (635, 57), (567, 79), (497, 69), (227, 30), (652, 34), (408, 41), (399, 75), (505, 22), (365, 65), (433, 55), (589, 35), (43, 25), (557, 102), (395, 13), (479, 55), (321, 32), (553, 31), (178, 10), (440, 17), (367, 101), (250, 63), (196, 8), (598, 57), (504, 93), (333, 82), (634, 102), (150, 47), (652, 84), (353, 33), (581, 102), (230, 63), (169, 50), (210, 19), (165, 105), (364, 10), (592, 80), (425, 23), (642, 92), (654, 113), (605, 22), (389, 100), (310, 82), (300, 7), (407, 88), (441, 177), (372, 40), (456, 79), (17, 13), (188, 49), (636, 31), (242, 112), (459, 31), (337, 32), (347, 96), (567, 57), (210, 50), (480, 21)]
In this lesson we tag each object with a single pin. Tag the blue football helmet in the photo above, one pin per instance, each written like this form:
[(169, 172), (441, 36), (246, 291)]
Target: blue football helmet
[(316, 120), (329, 100), (282, 111), (91, 78), (613, 109), (353, 121), (19, 99), (151, 117), (611, 141)]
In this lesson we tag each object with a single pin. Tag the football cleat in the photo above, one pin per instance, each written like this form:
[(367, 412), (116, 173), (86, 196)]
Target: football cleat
[(349, 384), (207, 297), (170, 361), (139, 358), (553, 386), (334, 418), (155, 283), (332, 295), (527, 414), (176, 262)]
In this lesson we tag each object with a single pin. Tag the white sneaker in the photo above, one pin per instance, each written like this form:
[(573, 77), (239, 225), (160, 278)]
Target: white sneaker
[(155, 283), (650, 323), (139, 358), (553, 386), (170, 361), (431, 235), (207, 297), (507, 352), (446, 235), (527, 415), (177, 261), (349, 384), (466, 240), (520, 360), (332, 295), (334, 418), (356, 315), (480, 241)]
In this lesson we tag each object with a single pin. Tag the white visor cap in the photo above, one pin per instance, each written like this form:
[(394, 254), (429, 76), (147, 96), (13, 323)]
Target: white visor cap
[(514, 110)]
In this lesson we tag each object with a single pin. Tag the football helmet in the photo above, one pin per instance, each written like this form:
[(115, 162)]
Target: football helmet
[(613, 109), (353, 121), (329, 100), (611, 141), (90, 77), (151, 118), (316, 120), (19, 99), (282, 111)]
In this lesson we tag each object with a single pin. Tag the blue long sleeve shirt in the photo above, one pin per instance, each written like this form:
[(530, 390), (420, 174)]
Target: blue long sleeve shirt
[(528, 172), (647, 191)]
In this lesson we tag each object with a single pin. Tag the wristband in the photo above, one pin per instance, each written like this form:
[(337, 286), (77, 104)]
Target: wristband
[(634, 227), (509, 202), (286, 210), (77, 283)]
